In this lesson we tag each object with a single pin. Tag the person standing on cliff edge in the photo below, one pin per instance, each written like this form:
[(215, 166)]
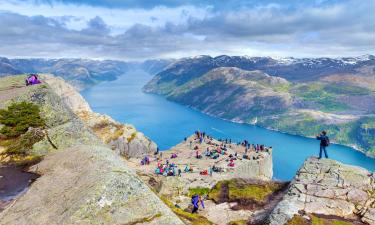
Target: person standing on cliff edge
[(324, 143)]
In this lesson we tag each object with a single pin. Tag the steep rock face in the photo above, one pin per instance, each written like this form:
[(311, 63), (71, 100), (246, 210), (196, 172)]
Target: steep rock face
[(64, 128), (330, 188), (67, 93), (122, 137), (87, 185)]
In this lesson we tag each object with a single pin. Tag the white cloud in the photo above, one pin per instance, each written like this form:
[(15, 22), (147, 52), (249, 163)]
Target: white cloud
[(66, 30), (77, 16)]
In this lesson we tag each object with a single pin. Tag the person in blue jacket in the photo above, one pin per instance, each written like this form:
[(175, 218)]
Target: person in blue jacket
[(195, 202), (324, 143)]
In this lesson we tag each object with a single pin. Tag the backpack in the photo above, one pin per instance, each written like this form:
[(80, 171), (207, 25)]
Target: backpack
[(326, 142)]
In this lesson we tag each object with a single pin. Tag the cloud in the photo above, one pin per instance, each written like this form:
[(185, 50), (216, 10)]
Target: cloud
[(167, 29)]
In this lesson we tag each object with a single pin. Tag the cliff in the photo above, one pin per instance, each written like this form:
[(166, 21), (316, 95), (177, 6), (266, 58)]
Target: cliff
[(83, 181), (331, 189), (123, 138), (247, 177)]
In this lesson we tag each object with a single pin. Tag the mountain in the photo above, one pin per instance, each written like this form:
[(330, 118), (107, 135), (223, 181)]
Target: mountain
[(297, 96), (154, 66), (79, 72)]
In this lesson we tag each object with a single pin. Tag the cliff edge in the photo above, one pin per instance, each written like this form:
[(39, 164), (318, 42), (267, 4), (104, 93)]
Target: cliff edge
[(82, 180), (328, 188)]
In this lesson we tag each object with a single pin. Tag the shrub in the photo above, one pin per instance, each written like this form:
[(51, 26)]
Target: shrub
[(18, 117), (195, 219), (199, 191), (241, 190)]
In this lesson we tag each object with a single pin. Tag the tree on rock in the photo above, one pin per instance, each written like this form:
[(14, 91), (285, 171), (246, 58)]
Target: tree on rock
[(18, 117)]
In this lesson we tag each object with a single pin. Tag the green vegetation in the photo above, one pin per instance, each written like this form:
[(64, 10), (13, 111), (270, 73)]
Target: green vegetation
[(346, 90), (194, 219), (315, 220), (21, 145), (322, 95), (241, 190), (238, 222), (132, 136), (199, 191), (18, 118), (17, 137), (297, 220)]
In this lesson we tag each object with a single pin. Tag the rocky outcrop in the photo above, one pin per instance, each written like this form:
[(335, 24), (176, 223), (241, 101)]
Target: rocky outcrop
[(328, 187), (82, 180), (67, 93), (87, 185), (123, 138)]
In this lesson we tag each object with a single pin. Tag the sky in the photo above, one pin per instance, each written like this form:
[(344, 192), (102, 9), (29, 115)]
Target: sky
[(150, 29)]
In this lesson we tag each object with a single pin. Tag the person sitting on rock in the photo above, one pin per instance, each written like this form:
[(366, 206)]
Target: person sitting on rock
[(187, 168)]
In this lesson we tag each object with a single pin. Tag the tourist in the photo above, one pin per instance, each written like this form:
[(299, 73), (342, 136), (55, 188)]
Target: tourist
[(187, 168), (324, 143), (201, 201), (195, 202)]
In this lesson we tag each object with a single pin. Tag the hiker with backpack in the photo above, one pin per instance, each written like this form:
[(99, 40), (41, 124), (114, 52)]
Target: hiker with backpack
[(324, 143), (195, 202)]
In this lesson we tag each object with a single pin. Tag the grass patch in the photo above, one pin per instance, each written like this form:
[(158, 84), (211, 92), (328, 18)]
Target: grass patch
[(238, 222), (297, 220), (199, 191), (315, 220), (194, 219), (132, 136), (238, 190)]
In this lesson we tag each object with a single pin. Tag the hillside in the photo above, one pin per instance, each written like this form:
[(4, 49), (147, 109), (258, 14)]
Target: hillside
[(81, 73), (84, 178), (306, 96)]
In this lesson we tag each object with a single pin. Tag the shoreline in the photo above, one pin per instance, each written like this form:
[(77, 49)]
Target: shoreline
[(352, 146)]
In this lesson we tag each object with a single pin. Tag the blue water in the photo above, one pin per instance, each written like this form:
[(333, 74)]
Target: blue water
[(167, 123)]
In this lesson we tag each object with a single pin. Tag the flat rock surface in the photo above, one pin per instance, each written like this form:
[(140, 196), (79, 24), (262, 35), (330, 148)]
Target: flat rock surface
[(328, 187), (87, 185)]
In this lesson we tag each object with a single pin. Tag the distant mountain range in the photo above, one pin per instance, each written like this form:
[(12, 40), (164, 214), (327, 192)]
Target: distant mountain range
[(81, 73), (297, 96)]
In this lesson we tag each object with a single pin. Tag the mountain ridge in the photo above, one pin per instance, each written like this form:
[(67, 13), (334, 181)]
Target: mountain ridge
[(340, 99)]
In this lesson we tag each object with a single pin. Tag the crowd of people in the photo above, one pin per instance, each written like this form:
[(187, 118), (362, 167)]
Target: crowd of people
[(212, 152), (217, 150)]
